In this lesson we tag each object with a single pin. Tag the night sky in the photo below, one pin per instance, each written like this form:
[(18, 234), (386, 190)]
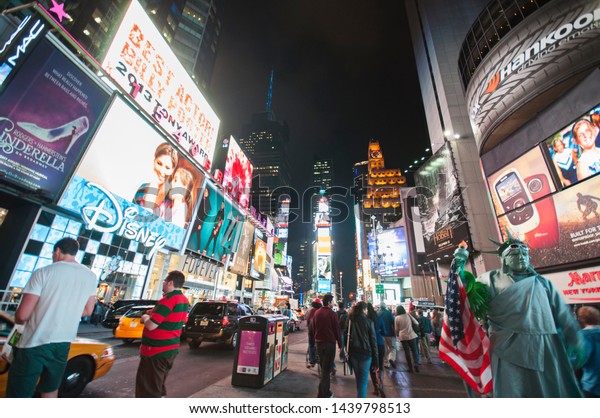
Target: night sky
[(344, 73)]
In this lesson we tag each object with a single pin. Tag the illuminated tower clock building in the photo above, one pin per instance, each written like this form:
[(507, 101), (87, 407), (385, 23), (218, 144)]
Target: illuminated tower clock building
[(378, 210)]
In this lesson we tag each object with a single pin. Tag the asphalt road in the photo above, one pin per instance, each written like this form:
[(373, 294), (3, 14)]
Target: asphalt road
[(194, 369)]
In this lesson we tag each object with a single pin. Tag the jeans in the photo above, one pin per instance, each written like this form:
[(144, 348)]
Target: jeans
[(326, 359), (361, 364), (424, 346), (411, 351), (390, 349), (312, 353)]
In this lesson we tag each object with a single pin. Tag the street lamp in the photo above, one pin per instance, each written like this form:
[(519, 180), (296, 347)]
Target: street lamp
[(341, 287)]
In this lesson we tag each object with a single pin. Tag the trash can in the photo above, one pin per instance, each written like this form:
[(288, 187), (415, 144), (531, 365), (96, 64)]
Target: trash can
[(261, 353)]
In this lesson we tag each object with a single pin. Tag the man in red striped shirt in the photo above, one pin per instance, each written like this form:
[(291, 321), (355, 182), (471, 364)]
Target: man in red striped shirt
[(161, 337)]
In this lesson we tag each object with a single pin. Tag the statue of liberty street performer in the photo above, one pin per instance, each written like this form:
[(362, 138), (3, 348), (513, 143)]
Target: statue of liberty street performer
[(533, 333)]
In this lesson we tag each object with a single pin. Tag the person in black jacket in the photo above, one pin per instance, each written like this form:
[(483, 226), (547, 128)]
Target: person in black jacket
[(362, 347)]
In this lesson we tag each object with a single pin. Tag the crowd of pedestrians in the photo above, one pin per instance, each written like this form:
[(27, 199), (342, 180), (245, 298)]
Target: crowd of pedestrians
[(368, 340)]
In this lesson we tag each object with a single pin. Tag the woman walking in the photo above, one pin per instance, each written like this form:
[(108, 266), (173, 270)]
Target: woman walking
[(377, 376), (362, 347), (403, 324)]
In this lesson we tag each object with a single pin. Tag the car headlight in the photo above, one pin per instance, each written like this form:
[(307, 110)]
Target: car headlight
[(107, 352)]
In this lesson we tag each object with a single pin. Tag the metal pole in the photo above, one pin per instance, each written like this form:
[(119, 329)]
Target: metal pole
[(225, 267), (341, 287)]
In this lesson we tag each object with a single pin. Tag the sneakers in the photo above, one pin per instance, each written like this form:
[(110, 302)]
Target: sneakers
[(330, 395)]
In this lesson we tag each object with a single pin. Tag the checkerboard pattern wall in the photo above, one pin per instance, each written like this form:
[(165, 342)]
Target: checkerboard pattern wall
[(96, 249)]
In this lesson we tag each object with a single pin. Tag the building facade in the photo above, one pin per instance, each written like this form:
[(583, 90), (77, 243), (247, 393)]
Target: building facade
[(521, 82)]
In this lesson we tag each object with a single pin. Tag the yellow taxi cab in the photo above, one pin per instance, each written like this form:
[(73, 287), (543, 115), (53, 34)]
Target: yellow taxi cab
[(88, 360), (130, 328)]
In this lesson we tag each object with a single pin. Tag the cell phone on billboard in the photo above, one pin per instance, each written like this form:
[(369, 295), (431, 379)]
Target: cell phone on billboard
[(545, 235), (516, 200)]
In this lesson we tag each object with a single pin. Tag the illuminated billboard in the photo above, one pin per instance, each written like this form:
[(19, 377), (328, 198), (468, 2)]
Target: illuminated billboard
[(144, 65), (258, 264), (280, 252), (135, 184), (391, 248), (567, 229), (323, 286), (217, 226), (323, 241), (233, 170), (47, 116), (522, 181), (244, 250), (575, 149), (440, 204), (324, 266)]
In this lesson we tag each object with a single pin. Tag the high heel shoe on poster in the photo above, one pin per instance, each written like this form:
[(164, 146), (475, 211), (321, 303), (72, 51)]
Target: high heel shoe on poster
[(71, 131)]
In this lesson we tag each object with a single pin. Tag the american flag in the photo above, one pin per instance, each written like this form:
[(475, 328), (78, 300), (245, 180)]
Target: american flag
[(464, 344)]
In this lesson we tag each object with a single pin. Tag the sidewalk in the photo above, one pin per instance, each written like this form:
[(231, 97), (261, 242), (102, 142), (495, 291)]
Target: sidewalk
[(437, 380)]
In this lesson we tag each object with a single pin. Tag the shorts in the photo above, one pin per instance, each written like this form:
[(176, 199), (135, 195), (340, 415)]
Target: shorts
[(45, 363)]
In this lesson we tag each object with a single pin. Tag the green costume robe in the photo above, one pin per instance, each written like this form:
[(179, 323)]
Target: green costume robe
[(529, 325)]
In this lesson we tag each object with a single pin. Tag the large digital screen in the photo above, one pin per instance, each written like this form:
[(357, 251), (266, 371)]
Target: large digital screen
[(244, 250), (258, 265), (324, 266), (134, 181), (391, 249), (567, 230), (280, 252), (323, 286), (522, 181), (144, 65), (323, 240), (233, 170), (47, 116), (217, 227), (575, 149)]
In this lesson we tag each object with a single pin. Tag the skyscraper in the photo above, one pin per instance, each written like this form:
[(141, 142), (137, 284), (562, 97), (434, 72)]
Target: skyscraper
[(190, 27), (263, 140)]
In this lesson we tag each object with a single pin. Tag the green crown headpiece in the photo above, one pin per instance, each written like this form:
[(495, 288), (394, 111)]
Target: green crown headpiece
[(510, 240)]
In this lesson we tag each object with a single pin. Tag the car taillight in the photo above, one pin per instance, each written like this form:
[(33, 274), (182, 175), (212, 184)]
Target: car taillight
[(225, 321)]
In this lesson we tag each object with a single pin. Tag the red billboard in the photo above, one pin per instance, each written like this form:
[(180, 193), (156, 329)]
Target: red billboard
[(233, 170)]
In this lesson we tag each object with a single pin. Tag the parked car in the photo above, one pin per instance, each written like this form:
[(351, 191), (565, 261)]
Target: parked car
[(88, 360), (118, 309), (130, 328), (215, 321)]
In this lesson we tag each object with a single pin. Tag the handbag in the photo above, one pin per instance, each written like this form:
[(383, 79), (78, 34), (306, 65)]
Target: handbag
[(11, 342), (347, 365)]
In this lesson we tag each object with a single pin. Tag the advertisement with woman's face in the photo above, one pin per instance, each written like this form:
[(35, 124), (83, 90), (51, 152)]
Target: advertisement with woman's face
[(258, 266), (577, 230), (575, 149), (217, 225), (154, 186), (237, 176)]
